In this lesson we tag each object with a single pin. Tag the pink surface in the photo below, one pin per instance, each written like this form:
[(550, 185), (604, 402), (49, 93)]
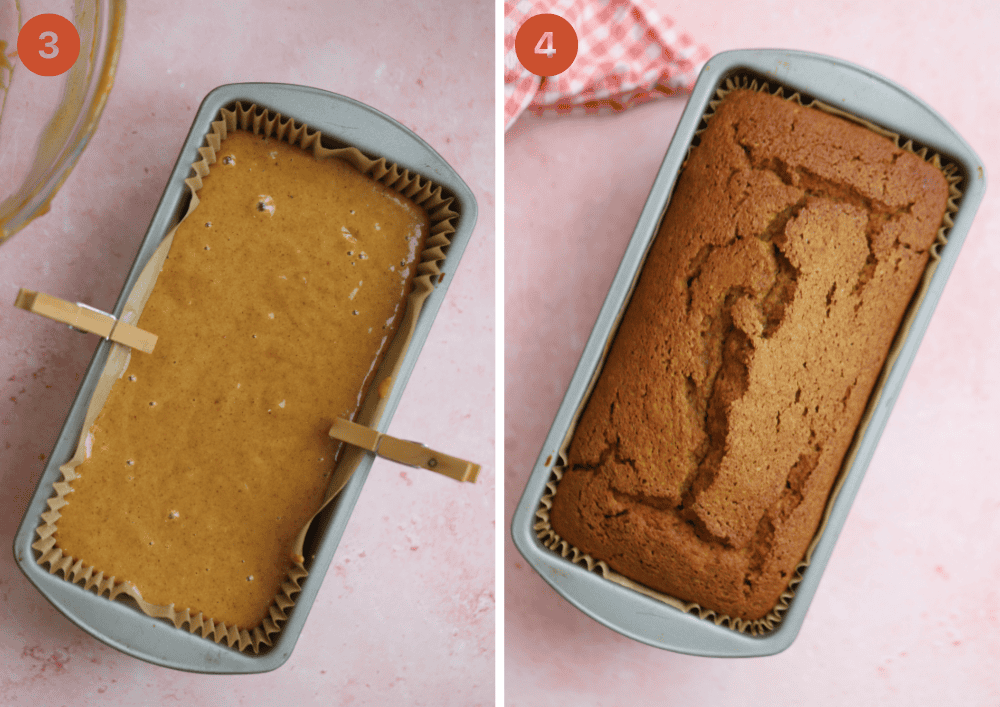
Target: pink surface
[(406, 614), (908, 611)]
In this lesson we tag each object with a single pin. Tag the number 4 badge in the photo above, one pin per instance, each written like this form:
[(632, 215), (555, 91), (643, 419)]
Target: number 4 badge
[(548, 50), (546, 45)]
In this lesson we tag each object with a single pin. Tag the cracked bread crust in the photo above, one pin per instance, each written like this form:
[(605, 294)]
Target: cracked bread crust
[(769, 300)]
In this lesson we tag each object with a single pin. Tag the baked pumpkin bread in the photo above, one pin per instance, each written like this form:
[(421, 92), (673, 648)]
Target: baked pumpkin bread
[(281, 292), (791, 248)]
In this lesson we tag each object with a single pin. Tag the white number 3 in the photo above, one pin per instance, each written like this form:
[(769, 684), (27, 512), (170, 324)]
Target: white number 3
[(50, 45), (548, 50)]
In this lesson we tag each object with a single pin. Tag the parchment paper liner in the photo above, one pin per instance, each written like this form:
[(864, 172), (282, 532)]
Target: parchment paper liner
[(757, 627), (420, 190)]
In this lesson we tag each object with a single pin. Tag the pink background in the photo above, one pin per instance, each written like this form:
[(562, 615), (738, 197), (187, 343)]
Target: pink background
[(405, 615), (908, 611)]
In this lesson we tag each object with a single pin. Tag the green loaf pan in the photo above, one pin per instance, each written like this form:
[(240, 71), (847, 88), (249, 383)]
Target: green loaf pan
[(120, 623), (863, 94)]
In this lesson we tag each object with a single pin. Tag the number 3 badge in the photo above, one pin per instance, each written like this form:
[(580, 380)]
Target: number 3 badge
[(48, 45), (546, 45)]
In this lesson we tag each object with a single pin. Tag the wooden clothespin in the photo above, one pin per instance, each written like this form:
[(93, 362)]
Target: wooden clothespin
[(85, 318), (403, 452)]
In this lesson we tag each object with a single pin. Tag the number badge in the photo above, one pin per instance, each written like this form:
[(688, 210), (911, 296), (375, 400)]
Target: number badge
[(48, 45), (546, 45)]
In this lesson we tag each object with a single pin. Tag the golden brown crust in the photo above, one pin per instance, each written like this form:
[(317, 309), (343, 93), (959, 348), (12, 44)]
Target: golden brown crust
[(791, 248)]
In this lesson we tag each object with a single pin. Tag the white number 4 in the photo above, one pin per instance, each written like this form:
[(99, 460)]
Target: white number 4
[(548, 50)]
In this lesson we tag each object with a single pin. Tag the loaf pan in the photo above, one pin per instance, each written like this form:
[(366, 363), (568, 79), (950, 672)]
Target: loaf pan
[(120, 623), (849, 88)]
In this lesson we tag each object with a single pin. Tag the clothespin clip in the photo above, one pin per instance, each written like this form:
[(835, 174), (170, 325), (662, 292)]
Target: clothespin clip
[(85, 318), (403, 452)]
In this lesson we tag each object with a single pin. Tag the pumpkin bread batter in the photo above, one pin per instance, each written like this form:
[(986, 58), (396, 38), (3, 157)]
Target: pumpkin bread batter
[(282, 290)]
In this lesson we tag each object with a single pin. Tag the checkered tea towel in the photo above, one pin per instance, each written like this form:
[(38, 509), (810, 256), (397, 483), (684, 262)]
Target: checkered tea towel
[(628, 54)]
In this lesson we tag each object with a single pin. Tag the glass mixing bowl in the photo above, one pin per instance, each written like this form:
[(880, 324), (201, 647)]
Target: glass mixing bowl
[(46, 121)]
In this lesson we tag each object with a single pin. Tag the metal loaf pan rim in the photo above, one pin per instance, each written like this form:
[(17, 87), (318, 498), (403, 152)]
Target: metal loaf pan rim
[(120, 624), (853, 89)]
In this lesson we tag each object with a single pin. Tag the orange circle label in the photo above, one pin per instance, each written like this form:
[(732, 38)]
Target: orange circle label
[(48, 45), (546, 45)]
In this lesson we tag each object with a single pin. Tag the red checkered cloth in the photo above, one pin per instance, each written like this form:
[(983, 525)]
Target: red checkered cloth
[(628, 54)]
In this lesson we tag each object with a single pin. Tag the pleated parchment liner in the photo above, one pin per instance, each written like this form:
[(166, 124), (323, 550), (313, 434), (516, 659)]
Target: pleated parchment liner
[(421, 191), (757, 627)]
